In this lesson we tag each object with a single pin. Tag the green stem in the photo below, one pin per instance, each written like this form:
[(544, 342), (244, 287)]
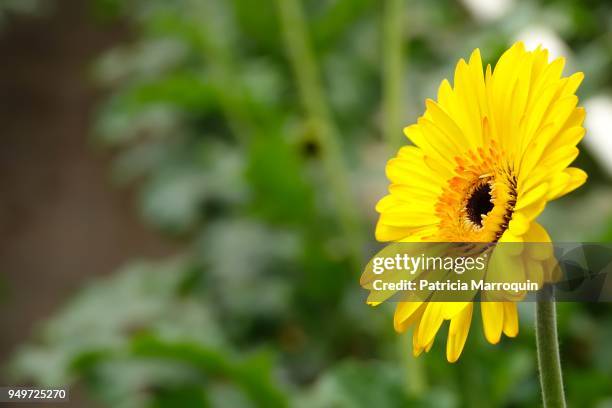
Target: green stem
[(413, 366), (310, 88), (393, 67), (549, 362)]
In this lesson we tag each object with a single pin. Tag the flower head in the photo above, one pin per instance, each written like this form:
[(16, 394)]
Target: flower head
[(487, 157)]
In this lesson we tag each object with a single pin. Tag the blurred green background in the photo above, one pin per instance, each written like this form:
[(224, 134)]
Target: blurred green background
[(189, 189)]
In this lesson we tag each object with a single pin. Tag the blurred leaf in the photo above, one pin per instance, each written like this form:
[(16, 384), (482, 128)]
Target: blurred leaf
[(358, 384), (280, 191), (249, 374), (143, 297), (184, 396), (175, 198)]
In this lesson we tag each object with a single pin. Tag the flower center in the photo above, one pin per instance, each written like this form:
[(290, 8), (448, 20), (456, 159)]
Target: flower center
[(479, 204), (478, 201)]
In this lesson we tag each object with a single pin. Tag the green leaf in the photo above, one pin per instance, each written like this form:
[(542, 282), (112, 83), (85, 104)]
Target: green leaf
[(250, 375)]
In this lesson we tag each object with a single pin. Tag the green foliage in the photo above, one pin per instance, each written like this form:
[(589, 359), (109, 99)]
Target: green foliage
[(247, 374), (354, 384), (264, 308)]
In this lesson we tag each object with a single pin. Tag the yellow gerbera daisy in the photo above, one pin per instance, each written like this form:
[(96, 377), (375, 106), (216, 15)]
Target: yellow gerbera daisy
[(487, 157)]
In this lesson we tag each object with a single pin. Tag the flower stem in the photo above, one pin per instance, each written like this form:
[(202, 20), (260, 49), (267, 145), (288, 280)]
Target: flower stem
[(393, 66), (549, 362), (307, 75), (416, 379)]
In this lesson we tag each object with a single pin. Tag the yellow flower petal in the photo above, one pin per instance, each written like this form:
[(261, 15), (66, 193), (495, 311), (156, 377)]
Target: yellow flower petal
[(430, 323), (406, 313), (511, 327), (457, 333), (492, 320), (530, 197), (577, 177), (452, 309), (519, 224)]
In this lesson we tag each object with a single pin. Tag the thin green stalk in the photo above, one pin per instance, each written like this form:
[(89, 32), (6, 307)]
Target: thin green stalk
[(393, 107), (393, 67), (413, 366), (549, 362), (310, 88)]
